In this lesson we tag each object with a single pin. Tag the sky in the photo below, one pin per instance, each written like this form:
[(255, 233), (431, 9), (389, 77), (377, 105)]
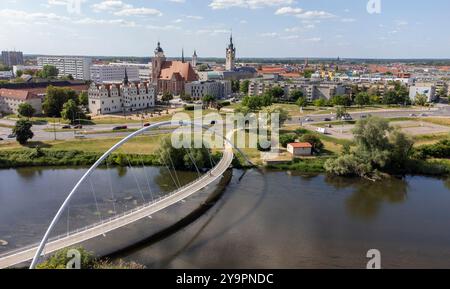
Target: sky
[(261, 28)]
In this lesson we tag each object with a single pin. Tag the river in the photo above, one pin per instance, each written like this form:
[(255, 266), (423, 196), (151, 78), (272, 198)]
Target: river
[(266, 220)]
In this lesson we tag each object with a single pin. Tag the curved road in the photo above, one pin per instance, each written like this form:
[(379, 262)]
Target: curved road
[(128, 218)]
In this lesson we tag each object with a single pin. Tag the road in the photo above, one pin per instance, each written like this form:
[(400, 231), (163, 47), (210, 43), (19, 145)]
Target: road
[(44, 133), (440, 111), (130, 217)]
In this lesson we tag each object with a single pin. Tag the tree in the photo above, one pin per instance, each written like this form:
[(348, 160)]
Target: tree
[(421, 99), (314, 140), (378, 148), (266, 100), (341, 113), (252, 102), (83, 99), (302, 101), (362, 99), (286, 139), (167, 97), (26, 110), (22, 130), (308, 73), (48, 71), (19, 73), (71, 111), (244, 87), (182, 158), (276, 92), (296, 94), (203, 67), (55, 98), (235, 86), (341, 100), (208, 100), (321, 102)]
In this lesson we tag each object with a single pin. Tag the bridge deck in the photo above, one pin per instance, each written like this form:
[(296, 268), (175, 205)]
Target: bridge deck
[(121, 221)]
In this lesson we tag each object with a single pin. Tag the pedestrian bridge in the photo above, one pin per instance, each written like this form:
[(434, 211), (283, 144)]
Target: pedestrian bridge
[(35, 252)]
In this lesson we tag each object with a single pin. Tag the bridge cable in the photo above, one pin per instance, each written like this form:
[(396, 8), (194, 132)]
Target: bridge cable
[(193, 161), (146, 177), (136, 179), (175, 171), (95, 199), (170, 172), (111, 186)]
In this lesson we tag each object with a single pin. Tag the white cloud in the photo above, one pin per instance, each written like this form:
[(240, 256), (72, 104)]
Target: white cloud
[(251, 4), (110, 5), (304, 14), (138, 11), (288, 11)]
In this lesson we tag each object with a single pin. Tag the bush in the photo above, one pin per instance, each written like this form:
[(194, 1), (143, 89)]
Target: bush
[(189, 108), (438, 150), (286, 139)]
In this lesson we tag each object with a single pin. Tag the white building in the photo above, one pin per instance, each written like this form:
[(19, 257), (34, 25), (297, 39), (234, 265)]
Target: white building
[(10, 99), (24, 68), (78, 67), (427, 89), (300, 149), (102, 73), (117, 98), (144, 70), (199, 89), (6, 75)]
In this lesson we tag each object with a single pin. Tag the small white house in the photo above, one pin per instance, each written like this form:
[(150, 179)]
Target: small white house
[(300, 149)]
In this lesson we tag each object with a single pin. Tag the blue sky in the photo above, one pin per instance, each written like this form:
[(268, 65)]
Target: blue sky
[(261, 28)]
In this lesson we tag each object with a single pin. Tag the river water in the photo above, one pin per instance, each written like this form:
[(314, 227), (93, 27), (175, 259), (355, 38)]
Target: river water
[(265, 220)]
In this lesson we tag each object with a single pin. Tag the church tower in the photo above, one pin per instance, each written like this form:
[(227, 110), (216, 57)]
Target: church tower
[(157, 63), (194, 59), (231, 56)]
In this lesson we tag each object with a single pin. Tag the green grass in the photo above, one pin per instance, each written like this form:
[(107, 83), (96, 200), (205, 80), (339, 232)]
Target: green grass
[(310, 165)]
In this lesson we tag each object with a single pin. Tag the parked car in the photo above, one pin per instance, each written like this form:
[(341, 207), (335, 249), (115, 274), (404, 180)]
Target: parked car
[(327, 119), (308, 119), (78, 126), (12, 136), (423, 115), (146, 124), (120, 127), (66, 127), (1, 139), (347, 118), (413, 115)]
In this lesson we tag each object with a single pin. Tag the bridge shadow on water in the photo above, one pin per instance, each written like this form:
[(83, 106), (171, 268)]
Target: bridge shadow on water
[(212, 201)]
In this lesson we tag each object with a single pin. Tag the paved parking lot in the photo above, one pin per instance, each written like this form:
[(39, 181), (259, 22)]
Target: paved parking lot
[(412, 128)]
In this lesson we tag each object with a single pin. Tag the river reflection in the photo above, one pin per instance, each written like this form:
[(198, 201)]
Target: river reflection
[(368, 197)]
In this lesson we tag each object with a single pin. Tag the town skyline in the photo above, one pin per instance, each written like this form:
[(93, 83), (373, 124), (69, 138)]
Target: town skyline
[(261, 29)]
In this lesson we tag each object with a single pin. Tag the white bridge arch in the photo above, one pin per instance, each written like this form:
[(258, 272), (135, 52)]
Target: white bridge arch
[(35, 252)]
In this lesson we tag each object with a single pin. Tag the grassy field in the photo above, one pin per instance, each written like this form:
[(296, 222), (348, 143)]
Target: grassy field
[(139, 145)]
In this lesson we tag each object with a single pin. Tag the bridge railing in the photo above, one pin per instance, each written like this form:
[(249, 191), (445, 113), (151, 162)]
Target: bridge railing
[(114, 218)]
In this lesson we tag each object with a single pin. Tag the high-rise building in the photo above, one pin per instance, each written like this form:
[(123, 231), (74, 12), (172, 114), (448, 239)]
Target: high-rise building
[(102, 73), (231, 56), (11, 58), (194, 59), (78, 67)]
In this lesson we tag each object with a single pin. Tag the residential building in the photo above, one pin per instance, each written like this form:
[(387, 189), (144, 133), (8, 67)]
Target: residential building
[(11, 58), (78, 67), (144, 69), (11, 99), (101, 73), (427, 89), (218, 89), (124, 97), (170, 76), (312, 90), (24, 68), (6, 75)]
